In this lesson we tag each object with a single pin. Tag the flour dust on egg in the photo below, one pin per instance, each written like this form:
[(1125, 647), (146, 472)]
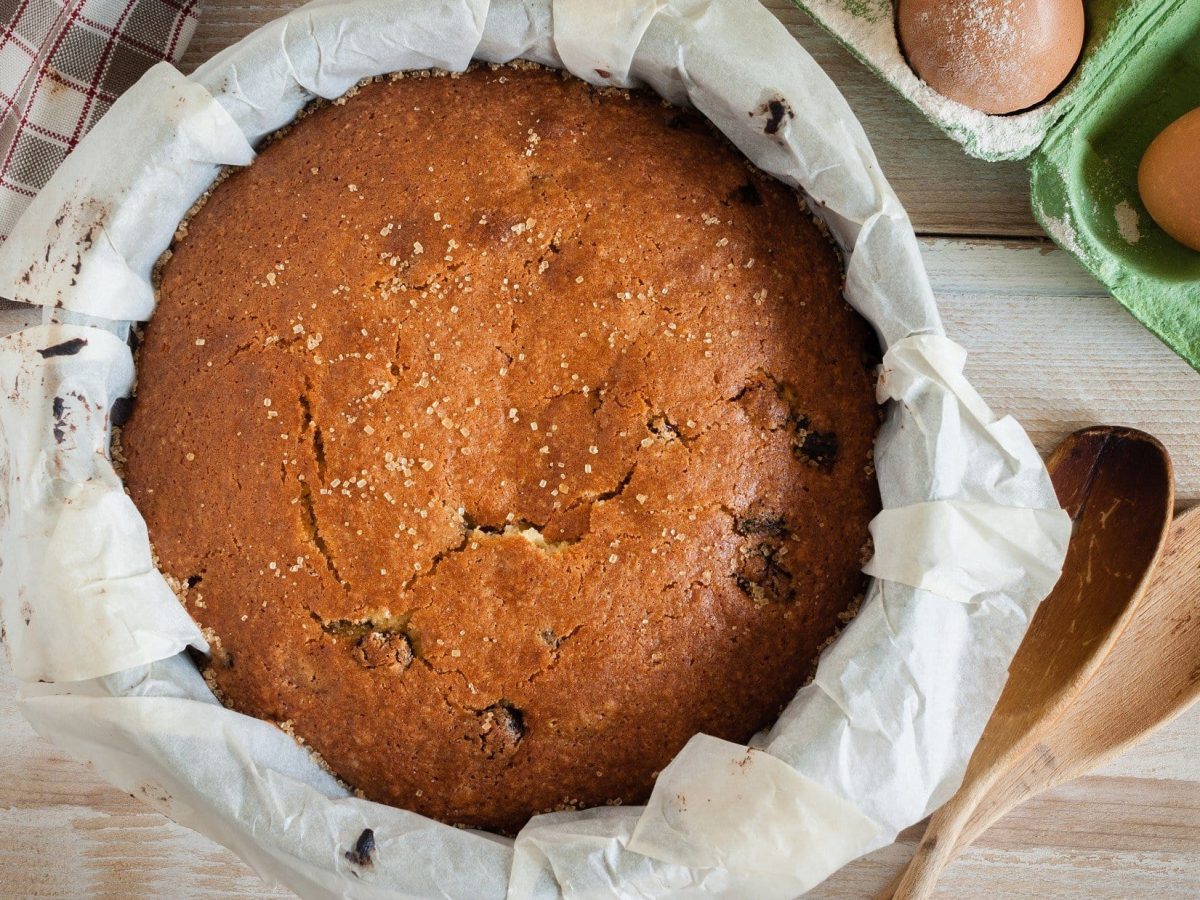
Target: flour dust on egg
[(997, 56)]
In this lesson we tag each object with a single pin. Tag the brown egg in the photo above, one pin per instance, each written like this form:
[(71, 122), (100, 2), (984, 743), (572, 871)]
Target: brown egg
[(1169, 179), (998, 56)]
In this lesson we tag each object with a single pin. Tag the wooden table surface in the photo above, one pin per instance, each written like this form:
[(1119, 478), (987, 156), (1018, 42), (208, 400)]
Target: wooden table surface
[(1047, 345)]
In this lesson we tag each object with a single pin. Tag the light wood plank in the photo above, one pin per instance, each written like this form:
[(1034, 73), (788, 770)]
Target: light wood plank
[(1048, 346), (1097, 837)]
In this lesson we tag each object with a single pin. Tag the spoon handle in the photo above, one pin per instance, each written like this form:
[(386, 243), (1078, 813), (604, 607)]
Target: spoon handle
[(937, 849), (889, 890)]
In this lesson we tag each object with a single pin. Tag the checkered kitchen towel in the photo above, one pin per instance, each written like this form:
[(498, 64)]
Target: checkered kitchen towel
[(62, 64)]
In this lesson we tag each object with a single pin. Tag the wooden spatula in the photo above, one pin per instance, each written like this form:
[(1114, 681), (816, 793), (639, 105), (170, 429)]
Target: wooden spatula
[(1117, 485)]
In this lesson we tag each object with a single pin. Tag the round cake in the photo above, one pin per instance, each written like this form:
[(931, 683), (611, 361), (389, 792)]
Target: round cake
[(502, 433)]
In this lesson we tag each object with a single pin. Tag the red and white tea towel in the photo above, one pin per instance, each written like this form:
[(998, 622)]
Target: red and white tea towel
[(62, 64)]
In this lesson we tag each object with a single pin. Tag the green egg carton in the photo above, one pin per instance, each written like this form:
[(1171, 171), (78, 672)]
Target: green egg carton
[(1138, 72)]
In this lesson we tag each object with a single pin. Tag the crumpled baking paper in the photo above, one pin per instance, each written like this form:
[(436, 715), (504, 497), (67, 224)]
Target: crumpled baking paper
[(969, 541)]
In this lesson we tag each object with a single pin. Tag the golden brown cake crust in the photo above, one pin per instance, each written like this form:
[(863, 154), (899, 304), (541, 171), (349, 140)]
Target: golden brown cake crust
[(505, 451)]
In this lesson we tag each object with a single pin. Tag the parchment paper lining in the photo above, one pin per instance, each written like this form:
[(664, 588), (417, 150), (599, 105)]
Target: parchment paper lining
[(970, 540)]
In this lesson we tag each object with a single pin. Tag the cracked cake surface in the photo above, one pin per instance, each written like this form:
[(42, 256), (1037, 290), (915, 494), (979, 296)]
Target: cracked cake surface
[(504, 433)]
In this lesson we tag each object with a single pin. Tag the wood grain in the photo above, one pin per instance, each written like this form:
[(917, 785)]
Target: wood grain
[(1047, 346), (1098, 837)]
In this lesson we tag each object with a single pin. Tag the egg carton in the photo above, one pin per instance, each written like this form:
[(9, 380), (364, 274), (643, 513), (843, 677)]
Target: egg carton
[(1138, 72)]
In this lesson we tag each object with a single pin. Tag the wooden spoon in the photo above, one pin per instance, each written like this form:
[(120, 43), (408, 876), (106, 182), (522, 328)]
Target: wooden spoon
[(1117, 486), (1101, 724), (1155, 664)]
